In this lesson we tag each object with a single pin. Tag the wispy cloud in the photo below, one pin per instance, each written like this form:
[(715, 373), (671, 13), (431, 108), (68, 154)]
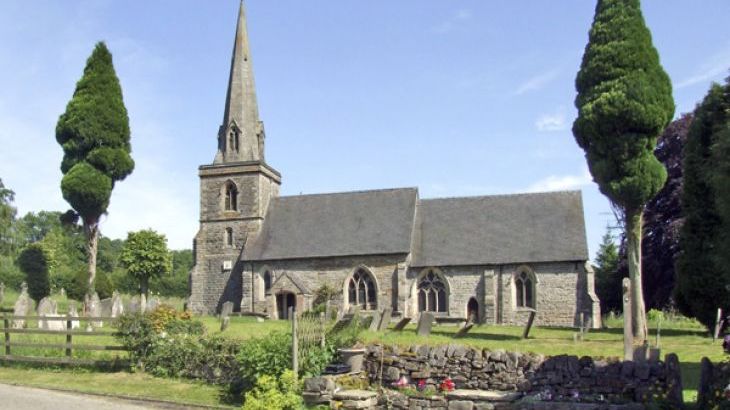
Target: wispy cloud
[(454, 21), (556, 121), (715, 67), (537, 82), (561, 182)]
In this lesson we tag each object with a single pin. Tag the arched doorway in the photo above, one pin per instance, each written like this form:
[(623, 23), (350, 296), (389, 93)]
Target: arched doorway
[(472, 311), (284, 301)]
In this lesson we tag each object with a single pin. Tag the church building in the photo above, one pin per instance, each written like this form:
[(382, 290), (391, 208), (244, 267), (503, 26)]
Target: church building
[(491, 258)]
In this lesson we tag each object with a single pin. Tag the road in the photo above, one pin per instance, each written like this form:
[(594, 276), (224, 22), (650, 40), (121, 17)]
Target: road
[(15, 397)]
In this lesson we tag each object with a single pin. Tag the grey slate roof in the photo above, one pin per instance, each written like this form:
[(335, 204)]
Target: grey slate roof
[(541, 227), (340, 224), (486, 230)]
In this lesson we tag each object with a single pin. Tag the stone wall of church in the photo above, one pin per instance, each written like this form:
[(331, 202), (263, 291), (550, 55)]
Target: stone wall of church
[(315, 272)]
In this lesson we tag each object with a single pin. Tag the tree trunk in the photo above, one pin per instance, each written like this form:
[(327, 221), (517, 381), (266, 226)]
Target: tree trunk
[(91, 228), (144, 285), (633, 250)]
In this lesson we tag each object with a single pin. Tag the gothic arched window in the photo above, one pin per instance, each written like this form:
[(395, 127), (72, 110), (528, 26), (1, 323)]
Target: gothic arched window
[(524, 290), (229, 237), (231, 200), (361, 291), (432, 296), (233, 140), (267, 282)]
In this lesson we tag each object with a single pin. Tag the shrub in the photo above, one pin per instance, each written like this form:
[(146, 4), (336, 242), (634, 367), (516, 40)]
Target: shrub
[(10, 274), (34, 262), (270, 394), (266, 356), (212, 359)]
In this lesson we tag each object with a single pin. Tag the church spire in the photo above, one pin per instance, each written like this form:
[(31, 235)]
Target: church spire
[(241, 136)]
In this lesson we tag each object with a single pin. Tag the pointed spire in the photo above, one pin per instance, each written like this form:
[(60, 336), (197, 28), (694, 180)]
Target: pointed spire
[(241, 134)]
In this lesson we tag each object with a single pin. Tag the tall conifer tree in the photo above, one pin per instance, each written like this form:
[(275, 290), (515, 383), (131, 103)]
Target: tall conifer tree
[(94, 134), (624, 102)]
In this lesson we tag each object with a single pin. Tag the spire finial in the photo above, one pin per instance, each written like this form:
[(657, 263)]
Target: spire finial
[(241, 134)]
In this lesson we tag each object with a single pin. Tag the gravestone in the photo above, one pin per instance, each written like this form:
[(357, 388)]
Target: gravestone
[(528, 326), (226, 309), (48, 307), (464, 330), (152, 303), (134, 305), (2, 293), (62, 293), (402, 324), (106, 307), (93, 309), (23, 306), (424, 324), (73, 312), (117, 304), (385, 319), (375, 322), (225, 321)]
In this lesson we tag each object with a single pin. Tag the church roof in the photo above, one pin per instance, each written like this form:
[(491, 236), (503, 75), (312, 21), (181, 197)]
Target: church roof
[(485, 230), (350, 223), (539, 227)]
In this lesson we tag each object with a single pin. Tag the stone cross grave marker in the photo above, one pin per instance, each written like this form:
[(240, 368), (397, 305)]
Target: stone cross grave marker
[(73, 312), (22, 307), (464, 329), (106, 307), (117, 304), (375, 321), (401, 324), (385, 319), (2, 293), (226, 309), (134, 304), (424, 324)]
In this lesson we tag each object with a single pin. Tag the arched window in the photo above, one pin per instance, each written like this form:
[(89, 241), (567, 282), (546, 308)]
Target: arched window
[(361, 291), (267, 282), (229, 237), (231, 200), (524, 290), (233, 140), (432, 295)]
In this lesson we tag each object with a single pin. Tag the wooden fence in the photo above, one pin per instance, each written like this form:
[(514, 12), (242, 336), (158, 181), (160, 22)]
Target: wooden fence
[(67, 348)]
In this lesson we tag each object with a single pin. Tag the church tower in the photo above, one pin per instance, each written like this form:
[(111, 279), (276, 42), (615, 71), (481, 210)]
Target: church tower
[(235, 189)]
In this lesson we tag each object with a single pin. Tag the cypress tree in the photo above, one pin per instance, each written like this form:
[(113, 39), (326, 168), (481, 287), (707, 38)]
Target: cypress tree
[(94, 134), (701, 278), (624, 102)]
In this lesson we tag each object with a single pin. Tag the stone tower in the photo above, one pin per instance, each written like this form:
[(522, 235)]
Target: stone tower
[(235, 189)]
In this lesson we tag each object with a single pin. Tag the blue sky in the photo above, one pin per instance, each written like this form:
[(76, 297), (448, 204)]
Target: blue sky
[(458, 97)]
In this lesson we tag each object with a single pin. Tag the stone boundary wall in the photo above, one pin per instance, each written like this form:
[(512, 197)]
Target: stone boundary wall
[(559, 377)]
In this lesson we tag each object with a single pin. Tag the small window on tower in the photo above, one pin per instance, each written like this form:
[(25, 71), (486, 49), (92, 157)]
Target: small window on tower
[(233, 140), (229, 236), (231, 201)]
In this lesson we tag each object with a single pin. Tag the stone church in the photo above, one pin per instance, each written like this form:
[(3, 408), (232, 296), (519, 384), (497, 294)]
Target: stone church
[(493, 258)]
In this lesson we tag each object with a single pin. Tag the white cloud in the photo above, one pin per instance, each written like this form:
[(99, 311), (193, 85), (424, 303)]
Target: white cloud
[(561, 182), (537, 82), (454, 21), (715, 67), (552, 122)]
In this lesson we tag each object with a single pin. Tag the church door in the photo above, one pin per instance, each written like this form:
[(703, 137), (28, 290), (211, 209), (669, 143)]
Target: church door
[(472, 311), (284, 301)]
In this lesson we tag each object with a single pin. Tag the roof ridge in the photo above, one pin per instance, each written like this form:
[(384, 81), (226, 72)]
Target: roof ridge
[(362, 191), (541, 193)]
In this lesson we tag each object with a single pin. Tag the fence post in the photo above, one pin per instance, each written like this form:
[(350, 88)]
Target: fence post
[(6, 324), (294, 341), (322, 327), (68, 336)]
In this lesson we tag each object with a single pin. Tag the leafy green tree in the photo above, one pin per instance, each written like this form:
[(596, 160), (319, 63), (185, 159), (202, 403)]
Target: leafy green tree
[(624, 102), (701, 279), (34, 261), (608, 279), (145, 256), (7, 218), (94, 134), (176, 282)]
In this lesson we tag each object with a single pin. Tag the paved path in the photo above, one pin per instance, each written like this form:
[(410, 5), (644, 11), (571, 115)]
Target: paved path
[(15, 397)]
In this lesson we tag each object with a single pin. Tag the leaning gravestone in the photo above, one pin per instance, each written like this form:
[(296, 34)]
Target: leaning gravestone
[(117, 305), (74, 312), (464, 330), (93, 309), (134, 305), (226, 309), (375, 322), (402, 324), (46, 307), (424, 324), (22, 307), (385, 319), (106, 307)]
